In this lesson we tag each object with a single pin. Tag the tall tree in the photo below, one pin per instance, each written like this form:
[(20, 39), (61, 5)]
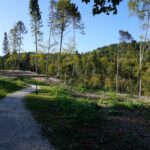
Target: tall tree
[(21, 29), (77, 24), (124, 37), (141, 8), (36, 24), (13, 37), (63, 20), (51, 24), (16, 40), (5, 48), (76, 21), (5, 44)]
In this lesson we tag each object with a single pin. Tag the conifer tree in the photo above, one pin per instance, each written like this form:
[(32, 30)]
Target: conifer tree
[(21, 30), (77, 25), (5, 48), (5, 44), (51, 24), (36, 24), (63, 20)]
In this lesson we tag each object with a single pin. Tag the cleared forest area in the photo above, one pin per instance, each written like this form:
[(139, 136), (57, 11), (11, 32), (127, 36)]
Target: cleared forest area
[(90, 91)]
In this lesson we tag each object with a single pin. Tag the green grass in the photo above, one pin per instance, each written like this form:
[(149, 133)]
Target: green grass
[(83, 124), (69, 118), (8, 85), (114, 101), (31, 81)]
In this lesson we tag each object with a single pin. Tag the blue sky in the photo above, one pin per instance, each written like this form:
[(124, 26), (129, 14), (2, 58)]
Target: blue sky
[(100, 30)]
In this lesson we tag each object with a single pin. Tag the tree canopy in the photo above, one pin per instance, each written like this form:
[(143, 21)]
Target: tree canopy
[(125, 36), (104, 6)]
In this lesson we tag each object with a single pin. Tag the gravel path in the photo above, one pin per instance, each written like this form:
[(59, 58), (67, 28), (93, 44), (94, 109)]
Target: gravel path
[(18, 129)]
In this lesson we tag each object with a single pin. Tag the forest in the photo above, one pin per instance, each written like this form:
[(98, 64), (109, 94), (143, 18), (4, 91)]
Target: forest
[(122, 67), (55, 96), (95, 70)]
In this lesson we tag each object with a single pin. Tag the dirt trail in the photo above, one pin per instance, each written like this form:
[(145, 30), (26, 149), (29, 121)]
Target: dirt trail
[(18, 129)]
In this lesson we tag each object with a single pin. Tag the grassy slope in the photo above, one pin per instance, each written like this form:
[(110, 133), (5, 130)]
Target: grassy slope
[(83, 124), (10, 85)]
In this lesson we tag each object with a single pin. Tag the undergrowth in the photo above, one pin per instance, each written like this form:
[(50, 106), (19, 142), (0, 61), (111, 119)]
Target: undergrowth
[(8, 85), (85, 124)]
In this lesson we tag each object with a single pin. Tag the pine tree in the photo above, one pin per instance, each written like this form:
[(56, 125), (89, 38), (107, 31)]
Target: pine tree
[(77, 25), (76, 22), (5, 44), (124, 37), (63, 20), (13, 37), (36, 24), (51, 24), (21, 29), (5, 48)]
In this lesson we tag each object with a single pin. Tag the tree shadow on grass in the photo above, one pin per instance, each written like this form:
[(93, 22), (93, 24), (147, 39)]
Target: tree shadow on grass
[(80, 125)]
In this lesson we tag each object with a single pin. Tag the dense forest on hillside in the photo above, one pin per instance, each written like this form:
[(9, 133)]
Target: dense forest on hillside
[(96, 69)]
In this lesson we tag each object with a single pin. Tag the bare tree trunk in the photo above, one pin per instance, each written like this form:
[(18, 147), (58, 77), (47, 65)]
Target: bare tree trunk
[(61, 40), (117, 71), (74, 49), (140, 71), (74, 37), (49, 47), (142, 49), (60, 50), (19, 49), (36, 49), (36, 58)]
